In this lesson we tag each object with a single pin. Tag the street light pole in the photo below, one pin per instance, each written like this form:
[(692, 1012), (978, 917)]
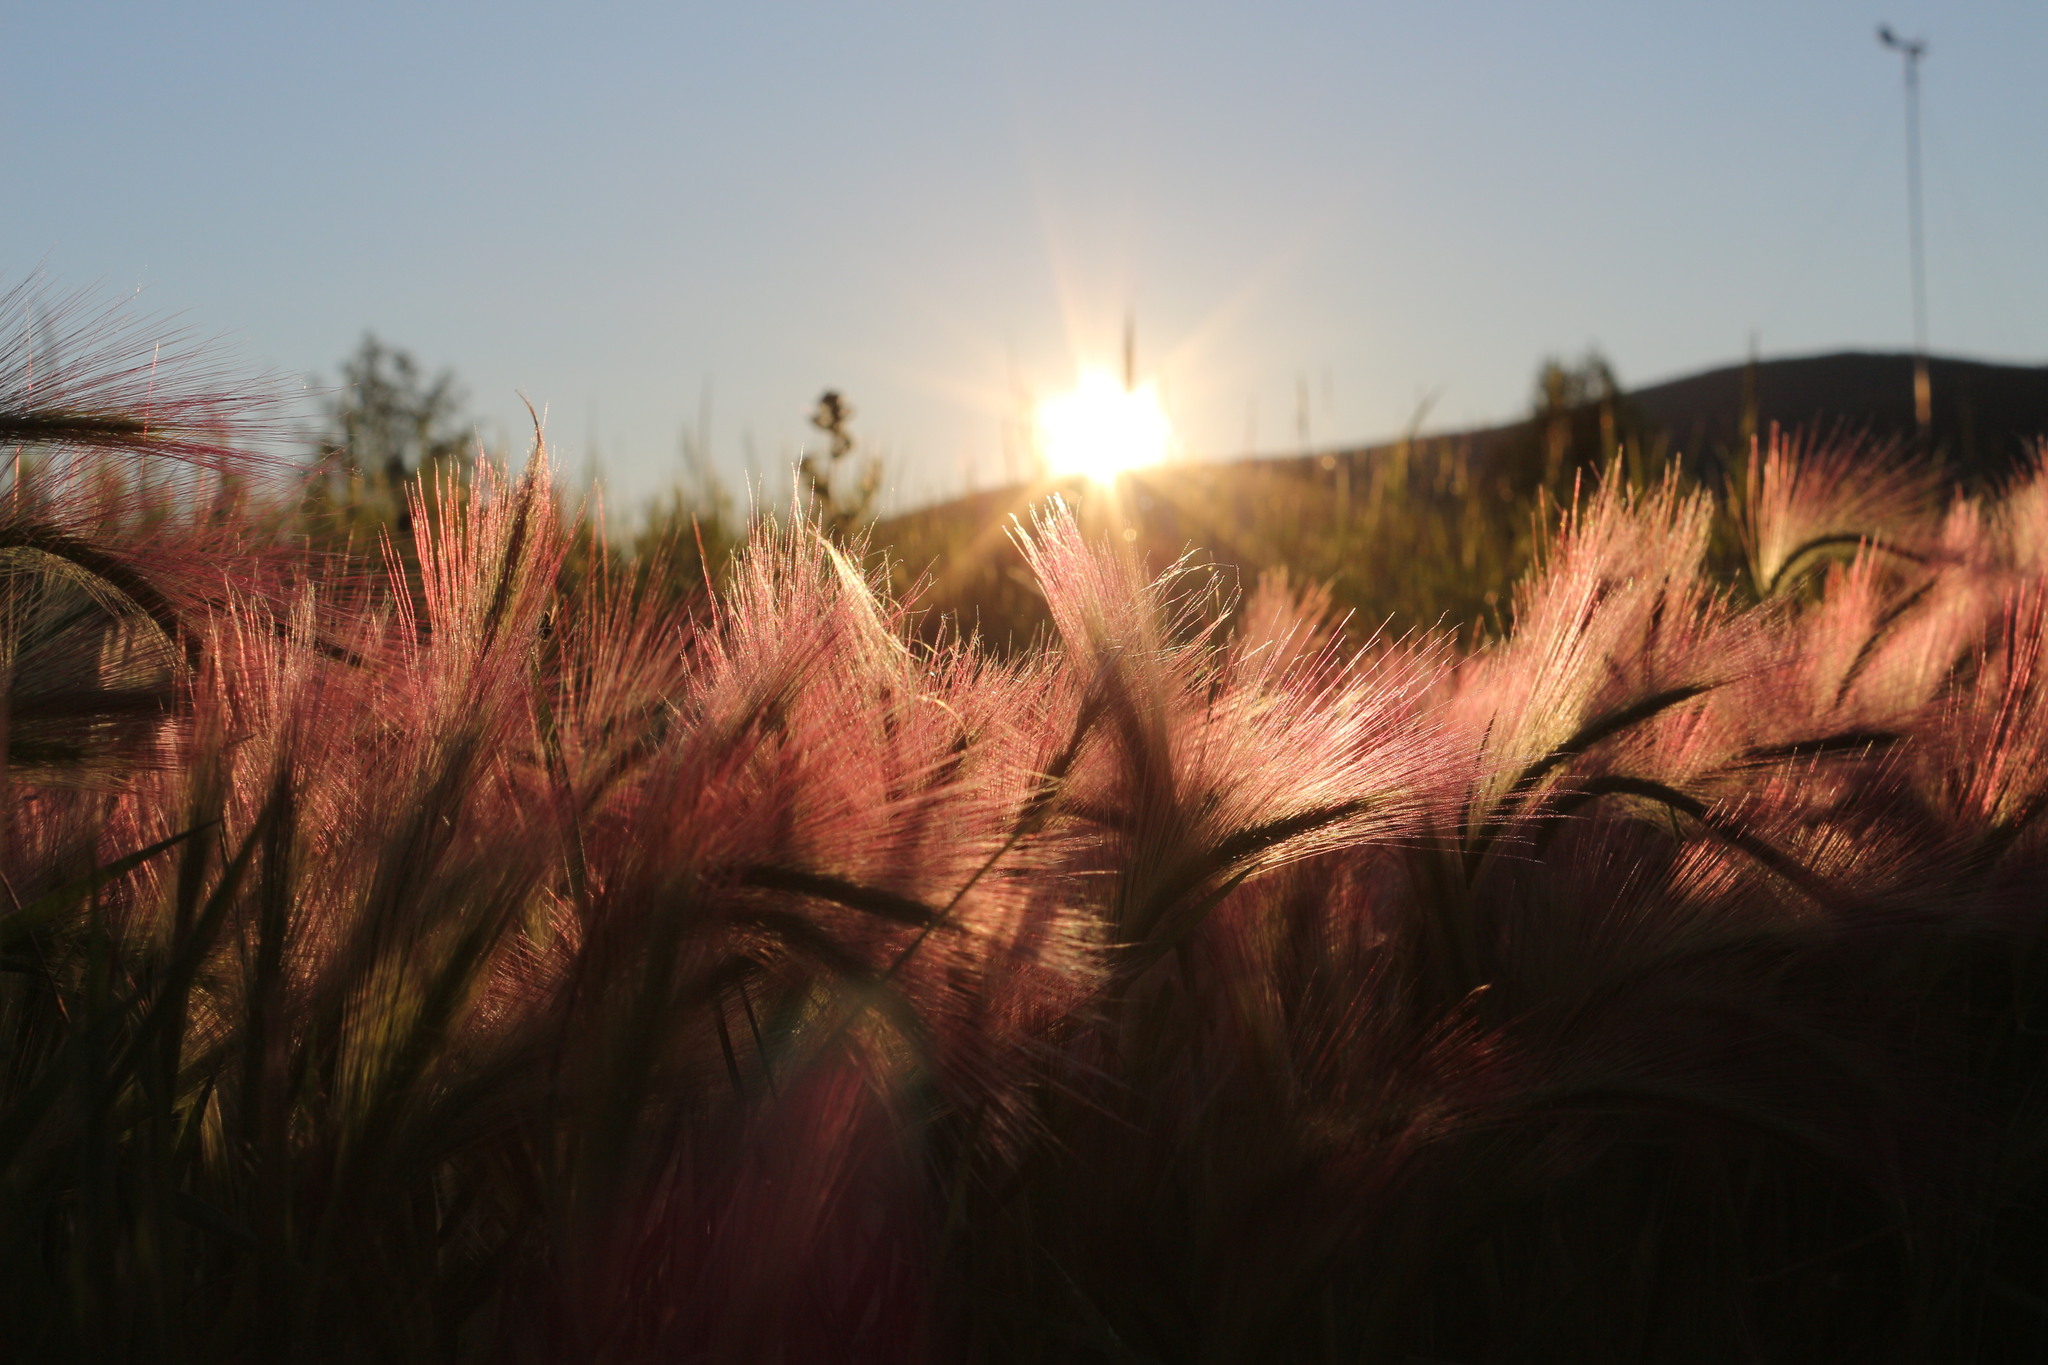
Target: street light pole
[(1912, 50)]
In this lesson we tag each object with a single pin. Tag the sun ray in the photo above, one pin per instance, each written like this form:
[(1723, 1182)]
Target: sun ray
[(1101, 429)]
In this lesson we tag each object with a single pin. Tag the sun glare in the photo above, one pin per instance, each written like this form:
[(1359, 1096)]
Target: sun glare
[(1102, 428)]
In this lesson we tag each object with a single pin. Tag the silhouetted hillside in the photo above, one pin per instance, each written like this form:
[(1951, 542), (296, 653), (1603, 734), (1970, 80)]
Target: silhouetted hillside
[(1435, 529), (1985, 415)]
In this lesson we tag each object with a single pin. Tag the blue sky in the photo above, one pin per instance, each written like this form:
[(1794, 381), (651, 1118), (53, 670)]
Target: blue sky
[(624, 209)]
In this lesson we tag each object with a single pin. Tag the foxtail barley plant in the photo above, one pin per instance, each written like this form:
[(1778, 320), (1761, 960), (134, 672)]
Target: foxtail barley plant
[(413, 951)]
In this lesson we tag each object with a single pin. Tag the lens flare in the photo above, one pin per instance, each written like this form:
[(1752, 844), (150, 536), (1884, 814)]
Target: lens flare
[(1102, 428)]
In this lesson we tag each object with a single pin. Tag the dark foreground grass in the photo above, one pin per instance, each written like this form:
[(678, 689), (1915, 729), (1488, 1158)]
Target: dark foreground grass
[(434, 962)]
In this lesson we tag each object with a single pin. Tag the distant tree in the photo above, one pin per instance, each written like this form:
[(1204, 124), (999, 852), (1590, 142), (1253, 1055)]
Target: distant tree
[(386, 424), (1580, 420), (389, 420)]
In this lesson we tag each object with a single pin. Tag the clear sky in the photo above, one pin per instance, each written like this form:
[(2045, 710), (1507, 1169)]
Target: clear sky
[(653, 217)]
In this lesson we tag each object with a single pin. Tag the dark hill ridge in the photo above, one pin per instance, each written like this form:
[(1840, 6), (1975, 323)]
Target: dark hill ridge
[(1987, 416), (1436, 529)]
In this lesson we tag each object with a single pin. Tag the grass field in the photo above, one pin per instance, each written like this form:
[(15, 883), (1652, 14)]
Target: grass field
[(462, 946)]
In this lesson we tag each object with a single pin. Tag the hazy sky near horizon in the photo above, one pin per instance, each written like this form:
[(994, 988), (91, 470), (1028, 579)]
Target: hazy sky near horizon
[(658, 217)]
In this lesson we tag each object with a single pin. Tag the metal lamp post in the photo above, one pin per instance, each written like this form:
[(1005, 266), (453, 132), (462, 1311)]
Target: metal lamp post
[(1912, 50)]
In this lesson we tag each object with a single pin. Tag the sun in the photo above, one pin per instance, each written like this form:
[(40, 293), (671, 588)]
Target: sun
[(1102, 428)]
